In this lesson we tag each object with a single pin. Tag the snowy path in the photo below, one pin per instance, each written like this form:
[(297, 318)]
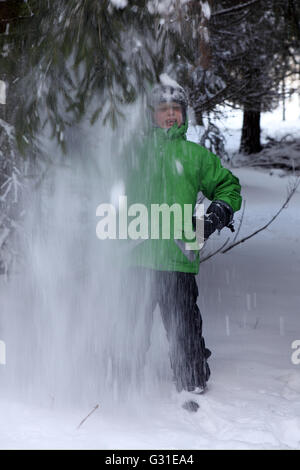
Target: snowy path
[(251, 315)]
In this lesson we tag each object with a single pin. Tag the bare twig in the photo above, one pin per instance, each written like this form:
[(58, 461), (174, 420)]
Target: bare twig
[(225, 243), (81, 422), (291, 192), (215, 252), (15, 18), (241, 220), (235, 8)]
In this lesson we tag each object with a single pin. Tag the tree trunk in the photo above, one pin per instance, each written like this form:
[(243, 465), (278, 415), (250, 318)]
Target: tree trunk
[(2, 98), (283, 100), (250, 140), (204, 46), (198, 117)]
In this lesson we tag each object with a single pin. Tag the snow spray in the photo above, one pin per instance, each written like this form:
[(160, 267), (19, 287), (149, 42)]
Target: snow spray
[(71, 337)]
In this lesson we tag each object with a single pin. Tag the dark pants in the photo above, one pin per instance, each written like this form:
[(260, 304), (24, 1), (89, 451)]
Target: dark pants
[(176, 293)]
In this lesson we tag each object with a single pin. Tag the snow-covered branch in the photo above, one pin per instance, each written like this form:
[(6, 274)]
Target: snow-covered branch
[(235, 8), (7, 128)]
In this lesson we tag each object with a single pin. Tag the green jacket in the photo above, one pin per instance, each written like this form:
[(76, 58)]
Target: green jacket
[(166, 168)]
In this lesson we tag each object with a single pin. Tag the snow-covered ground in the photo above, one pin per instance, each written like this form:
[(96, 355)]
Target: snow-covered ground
[(249, 299)]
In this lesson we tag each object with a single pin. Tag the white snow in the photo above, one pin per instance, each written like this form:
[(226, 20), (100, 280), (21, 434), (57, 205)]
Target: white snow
[(7, 127), (253, 397), (119, 3), (249, 299), (173, 91), (206, 10), (168, 81), (2, 92), (117, 191), (2, 353), (179, 166), (164, 7), (205, 34)]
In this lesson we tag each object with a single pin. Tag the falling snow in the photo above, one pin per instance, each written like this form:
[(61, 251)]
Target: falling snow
[(250, 306), (119, 3), (2, 92), (206, 10)]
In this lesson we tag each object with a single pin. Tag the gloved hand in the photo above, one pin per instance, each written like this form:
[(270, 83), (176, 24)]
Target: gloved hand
[(211, 223), (218, 215)]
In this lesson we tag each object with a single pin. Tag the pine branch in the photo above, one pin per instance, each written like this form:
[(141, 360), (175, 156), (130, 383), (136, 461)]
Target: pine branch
[(235, 8)]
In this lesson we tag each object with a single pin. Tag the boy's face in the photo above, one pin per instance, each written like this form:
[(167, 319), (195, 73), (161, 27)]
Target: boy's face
[(166, 114)]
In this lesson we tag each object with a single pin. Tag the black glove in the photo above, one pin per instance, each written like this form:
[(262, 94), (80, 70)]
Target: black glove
[(218, 215)]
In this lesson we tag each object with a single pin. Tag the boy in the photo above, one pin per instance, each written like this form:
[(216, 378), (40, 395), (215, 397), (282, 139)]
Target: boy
[(165, 168)]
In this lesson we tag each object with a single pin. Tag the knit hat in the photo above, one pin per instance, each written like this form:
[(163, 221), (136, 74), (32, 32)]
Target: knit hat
[(169, 91)]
